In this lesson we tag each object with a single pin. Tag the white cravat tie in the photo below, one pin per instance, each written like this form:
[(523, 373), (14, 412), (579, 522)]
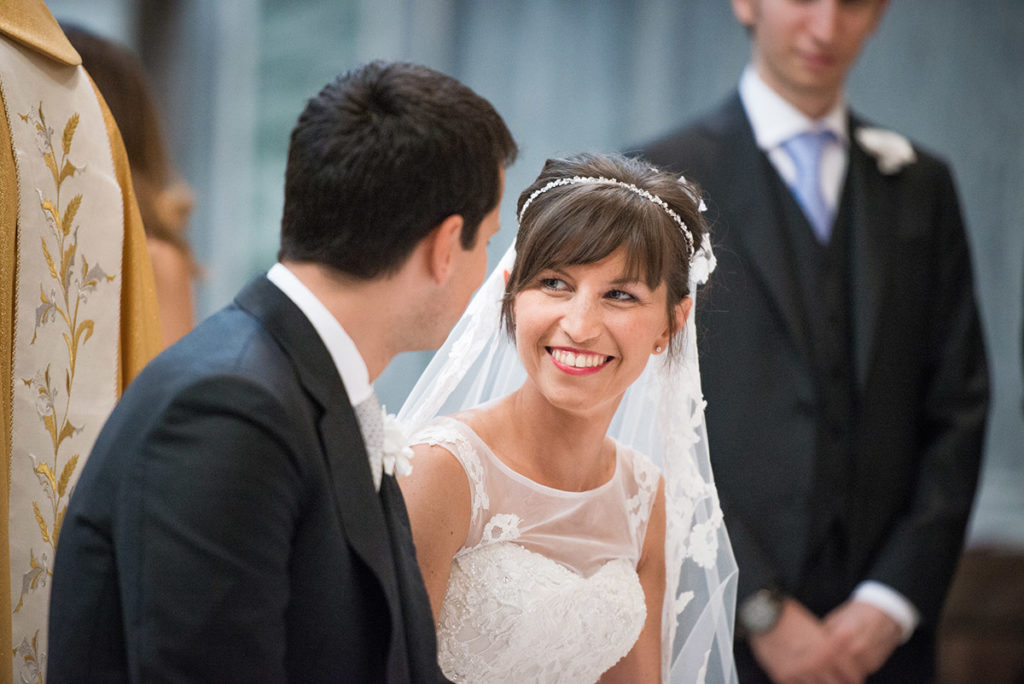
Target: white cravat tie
[(806, 149), (371, 424)]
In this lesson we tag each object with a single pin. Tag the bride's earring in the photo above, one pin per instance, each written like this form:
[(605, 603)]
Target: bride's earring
[(657, 349)]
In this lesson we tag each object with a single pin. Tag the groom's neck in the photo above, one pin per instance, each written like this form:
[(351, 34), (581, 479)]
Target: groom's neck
[(371, 311)]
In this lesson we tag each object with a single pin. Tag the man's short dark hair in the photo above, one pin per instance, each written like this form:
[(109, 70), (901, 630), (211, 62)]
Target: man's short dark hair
[(379, 158)]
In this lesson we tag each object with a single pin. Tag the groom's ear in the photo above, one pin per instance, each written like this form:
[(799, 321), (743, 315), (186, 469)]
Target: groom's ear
[(443, 242)]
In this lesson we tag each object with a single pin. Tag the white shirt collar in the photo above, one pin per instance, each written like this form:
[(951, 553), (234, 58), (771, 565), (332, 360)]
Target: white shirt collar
[(340, 346), (775, 120)]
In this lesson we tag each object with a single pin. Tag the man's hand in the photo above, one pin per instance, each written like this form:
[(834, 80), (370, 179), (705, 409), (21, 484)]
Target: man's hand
[(863, 632), (801, 649)]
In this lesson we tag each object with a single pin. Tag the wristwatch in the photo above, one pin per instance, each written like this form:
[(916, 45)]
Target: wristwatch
[(760, 612)]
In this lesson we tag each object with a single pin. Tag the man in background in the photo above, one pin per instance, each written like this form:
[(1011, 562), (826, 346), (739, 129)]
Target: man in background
[(843, 361)]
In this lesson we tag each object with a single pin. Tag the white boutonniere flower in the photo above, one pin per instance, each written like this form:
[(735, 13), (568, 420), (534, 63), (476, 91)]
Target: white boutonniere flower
[(891, 149), (396, 452)]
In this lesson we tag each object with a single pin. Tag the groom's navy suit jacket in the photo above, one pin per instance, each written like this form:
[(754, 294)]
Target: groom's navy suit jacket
[(226, 527), (880, 488)]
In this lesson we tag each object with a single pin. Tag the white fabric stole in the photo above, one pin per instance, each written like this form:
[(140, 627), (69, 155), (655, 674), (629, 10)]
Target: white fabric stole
[(67, 318)]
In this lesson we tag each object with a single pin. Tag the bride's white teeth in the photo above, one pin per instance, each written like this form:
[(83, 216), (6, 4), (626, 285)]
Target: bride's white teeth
[(568, 358)]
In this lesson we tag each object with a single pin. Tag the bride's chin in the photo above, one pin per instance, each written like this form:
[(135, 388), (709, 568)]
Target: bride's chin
[(573, 405)]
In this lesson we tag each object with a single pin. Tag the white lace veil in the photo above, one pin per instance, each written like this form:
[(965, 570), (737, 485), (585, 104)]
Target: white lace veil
[(661, 415)]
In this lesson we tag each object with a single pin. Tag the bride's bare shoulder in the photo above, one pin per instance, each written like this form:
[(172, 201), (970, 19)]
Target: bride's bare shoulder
[(432, 463), (437, 496)]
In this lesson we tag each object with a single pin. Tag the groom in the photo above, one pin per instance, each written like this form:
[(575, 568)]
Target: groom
[(237, 519)]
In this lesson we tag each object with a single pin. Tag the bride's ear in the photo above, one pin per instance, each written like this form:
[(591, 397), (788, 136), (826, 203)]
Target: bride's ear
[(682, 311)]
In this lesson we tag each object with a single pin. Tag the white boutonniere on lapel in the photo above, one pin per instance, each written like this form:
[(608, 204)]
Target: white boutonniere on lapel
[(891, 149), (396, 452)]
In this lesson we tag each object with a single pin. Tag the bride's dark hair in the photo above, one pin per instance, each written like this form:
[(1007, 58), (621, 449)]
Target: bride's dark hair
[(583, 222)]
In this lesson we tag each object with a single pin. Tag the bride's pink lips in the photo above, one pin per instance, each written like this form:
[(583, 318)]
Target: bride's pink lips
[(574, 370)]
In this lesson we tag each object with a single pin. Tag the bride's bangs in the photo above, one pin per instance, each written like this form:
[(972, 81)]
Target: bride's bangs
[(649, 250), (580, 231)]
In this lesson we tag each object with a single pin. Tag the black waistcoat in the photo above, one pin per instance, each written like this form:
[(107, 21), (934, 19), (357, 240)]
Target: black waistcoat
[(824, 277)]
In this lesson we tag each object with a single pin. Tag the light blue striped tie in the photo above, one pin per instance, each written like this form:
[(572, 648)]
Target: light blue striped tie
[(805, 149)]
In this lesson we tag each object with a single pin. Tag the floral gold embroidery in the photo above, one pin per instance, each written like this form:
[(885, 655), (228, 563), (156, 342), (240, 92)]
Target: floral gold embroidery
[(61, 311), (28, 653)]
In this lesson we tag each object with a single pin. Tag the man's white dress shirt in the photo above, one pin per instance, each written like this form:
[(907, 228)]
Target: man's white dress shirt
[(347, 359)]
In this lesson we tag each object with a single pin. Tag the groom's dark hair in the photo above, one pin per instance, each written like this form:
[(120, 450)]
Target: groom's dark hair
[(379, 158)]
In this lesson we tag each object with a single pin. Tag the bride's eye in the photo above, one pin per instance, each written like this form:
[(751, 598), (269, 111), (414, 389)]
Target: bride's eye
[(620, 296), (554, 284)]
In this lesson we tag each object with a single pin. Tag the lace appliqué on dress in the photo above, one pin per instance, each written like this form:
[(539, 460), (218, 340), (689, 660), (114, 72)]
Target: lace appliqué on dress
[(456, 442), (638, 506), (512, 615), (545, 587), (501, 527)]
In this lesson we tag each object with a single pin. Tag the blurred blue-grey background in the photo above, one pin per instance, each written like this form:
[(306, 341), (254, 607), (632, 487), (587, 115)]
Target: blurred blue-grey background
[(574, 75)]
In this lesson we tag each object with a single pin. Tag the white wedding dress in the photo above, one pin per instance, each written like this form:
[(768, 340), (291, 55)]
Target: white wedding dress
[(540, 619), (545, 587)]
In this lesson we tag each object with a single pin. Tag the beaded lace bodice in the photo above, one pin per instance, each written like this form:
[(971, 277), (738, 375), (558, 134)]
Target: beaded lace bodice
[(545, 586)]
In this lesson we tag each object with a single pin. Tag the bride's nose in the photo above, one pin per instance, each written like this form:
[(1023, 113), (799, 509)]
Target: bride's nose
[(581, 320)]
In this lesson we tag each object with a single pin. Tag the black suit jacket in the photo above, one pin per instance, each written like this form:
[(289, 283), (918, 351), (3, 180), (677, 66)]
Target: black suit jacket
[(919, 367), (226, 528)]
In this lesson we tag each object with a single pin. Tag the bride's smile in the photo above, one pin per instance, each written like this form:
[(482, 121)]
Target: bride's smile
[(585, 332), (578, 362)]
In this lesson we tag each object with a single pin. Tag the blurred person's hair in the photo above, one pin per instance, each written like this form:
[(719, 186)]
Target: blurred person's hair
[(165, 202)]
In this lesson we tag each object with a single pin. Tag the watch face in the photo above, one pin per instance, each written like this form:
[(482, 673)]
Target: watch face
[(760, 612)]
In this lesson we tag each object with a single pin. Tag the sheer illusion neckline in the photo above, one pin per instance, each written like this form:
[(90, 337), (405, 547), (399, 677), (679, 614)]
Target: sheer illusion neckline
[(511, 472)]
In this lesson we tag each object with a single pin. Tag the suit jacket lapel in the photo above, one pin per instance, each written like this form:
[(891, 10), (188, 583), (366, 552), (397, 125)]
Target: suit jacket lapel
[(362, 515), (420, 648), (757, 221), (875, 217), (359, 507)]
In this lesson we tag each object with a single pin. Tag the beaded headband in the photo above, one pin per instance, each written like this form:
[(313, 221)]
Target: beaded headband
[(600, 180)]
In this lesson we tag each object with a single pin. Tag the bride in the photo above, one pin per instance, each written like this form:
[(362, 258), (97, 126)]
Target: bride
[(564, 514)]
